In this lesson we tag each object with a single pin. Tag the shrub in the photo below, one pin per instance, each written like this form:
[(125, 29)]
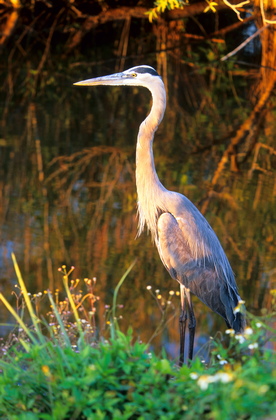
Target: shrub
[(49, 378)]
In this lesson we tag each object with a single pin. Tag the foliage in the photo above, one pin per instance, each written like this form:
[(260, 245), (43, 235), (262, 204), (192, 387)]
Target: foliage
[(161, 5), (119, 378)]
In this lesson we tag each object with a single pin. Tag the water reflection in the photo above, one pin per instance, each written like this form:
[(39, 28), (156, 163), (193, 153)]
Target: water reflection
[(68, 197)]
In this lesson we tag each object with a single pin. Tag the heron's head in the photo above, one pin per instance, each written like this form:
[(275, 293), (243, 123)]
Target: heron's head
[(136, 76)]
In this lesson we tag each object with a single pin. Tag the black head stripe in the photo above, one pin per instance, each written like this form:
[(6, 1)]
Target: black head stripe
[(142, 69)]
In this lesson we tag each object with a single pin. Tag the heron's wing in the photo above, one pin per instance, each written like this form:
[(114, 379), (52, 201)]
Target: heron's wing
[(188, 261), (191, 252), (180, 243), (173, 247)]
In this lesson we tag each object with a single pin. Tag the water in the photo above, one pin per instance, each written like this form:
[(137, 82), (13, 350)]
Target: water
[(68, 197)]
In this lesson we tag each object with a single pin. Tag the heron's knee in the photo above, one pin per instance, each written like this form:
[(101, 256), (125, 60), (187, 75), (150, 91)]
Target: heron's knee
[(183, 316)]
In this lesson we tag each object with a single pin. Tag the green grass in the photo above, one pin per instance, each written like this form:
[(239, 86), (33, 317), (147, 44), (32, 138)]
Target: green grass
[(48, 372)]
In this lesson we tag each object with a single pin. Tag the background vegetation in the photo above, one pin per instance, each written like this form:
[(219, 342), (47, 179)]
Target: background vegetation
[(67, 193)]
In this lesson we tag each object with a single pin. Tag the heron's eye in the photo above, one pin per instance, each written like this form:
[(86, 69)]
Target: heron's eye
[(134, 74)]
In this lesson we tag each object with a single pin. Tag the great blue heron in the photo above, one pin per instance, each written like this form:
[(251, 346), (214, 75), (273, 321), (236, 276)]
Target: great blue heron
[(187, 245)]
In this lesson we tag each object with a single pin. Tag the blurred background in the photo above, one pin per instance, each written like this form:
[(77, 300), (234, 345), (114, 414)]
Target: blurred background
[(67, 154)]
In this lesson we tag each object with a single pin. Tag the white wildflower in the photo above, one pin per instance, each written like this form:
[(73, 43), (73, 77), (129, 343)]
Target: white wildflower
[(239, 306), (240, 338), (223, 377), (203, 382), (248, 331), (253, 346)]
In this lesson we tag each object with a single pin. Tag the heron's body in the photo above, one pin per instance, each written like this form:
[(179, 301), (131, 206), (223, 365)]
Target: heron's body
[(187, 245)]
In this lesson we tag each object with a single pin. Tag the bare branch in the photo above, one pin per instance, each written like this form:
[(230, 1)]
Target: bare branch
[(243, 44)]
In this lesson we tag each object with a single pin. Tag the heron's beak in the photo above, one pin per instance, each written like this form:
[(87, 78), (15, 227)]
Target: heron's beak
[(112, 79)]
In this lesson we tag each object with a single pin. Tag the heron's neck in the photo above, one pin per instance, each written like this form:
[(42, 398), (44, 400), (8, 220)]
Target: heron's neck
[(149, 188)]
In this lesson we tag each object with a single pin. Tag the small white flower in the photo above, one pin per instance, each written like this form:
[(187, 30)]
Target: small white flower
[(240, 338), (239, 306), (259, 324), (223, 377), (230, 331), (148, 287), (248, 331), (203, 382), (223, 362), (193, 375), (253, 346)]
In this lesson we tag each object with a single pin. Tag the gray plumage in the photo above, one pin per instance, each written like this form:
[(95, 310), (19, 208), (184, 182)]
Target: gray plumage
[(187, 245)]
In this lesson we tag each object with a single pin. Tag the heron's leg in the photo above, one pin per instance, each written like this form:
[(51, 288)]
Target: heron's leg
[(182, 324), (192, 324)]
